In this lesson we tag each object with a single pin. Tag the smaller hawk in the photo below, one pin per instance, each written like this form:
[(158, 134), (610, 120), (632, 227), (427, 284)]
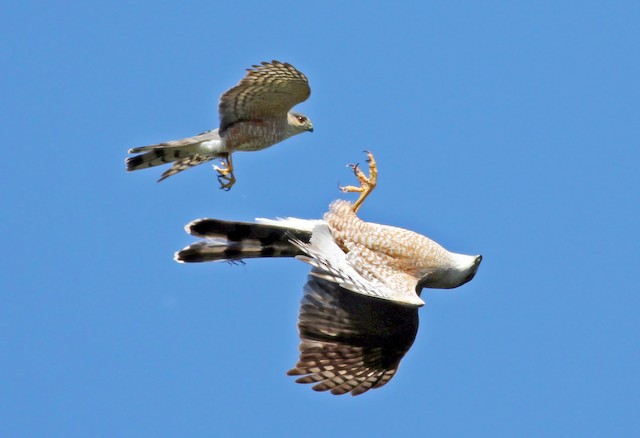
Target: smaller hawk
[(359, 313), (254, 115)]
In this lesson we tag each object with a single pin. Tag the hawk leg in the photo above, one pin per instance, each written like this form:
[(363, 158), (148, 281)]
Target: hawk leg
[(367, 184), (226, 177)]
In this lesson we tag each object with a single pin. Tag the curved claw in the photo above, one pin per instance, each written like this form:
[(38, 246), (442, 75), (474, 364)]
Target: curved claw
[(225, 182), (226, 178), (354, 167)]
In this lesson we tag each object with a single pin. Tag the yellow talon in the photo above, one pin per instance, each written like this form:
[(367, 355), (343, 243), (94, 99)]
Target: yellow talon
[(226, 178), (367, 184)]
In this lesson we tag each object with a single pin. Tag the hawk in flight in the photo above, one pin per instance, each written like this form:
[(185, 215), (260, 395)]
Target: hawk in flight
[(359, 313), (254, 115)]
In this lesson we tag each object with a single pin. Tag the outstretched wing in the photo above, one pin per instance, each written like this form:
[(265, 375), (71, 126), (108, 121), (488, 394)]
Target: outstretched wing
[(267, 91), (350, 342)]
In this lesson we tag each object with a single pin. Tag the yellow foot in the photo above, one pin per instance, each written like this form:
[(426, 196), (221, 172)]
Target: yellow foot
[(226, 177), (367, 184)]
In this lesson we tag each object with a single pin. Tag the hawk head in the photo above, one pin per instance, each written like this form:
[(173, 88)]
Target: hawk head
[(460, 270), (298, 123)]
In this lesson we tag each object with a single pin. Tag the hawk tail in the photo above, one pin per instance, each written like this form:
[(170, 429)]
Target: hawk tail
[(234, 241), (184, 153)]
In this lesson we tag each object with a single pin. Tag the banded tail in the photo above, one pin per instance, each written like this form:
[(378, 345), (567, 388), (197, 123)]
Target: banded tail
[(184, 153), (233, 241)]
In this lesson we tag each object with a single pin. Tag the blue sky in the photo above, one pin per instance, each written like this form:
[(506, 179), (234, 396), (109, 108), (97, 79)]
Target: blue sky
[(508, 129)]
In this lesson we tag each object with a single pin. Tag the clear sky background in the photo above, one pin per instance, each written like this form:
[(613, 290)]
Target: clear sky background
[(508, 129)]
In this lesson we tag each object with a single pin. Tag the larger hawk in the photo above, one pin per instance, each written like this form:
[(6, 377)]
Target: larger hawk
[(359, 313), (254, 115)]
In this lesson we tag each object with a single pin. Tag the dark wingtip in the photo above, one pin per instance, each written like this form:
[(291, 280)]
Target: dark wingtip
[(187, 255), (133, 162)]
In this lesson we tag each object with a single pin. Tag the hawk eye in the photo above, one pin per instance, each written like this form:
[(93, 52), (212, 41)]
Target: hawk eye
[(301, 119)]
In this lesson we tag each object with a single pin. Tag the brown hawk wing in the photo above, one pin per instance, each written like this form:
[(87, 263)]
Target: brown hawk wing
[(267, 91), (350, 342)]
